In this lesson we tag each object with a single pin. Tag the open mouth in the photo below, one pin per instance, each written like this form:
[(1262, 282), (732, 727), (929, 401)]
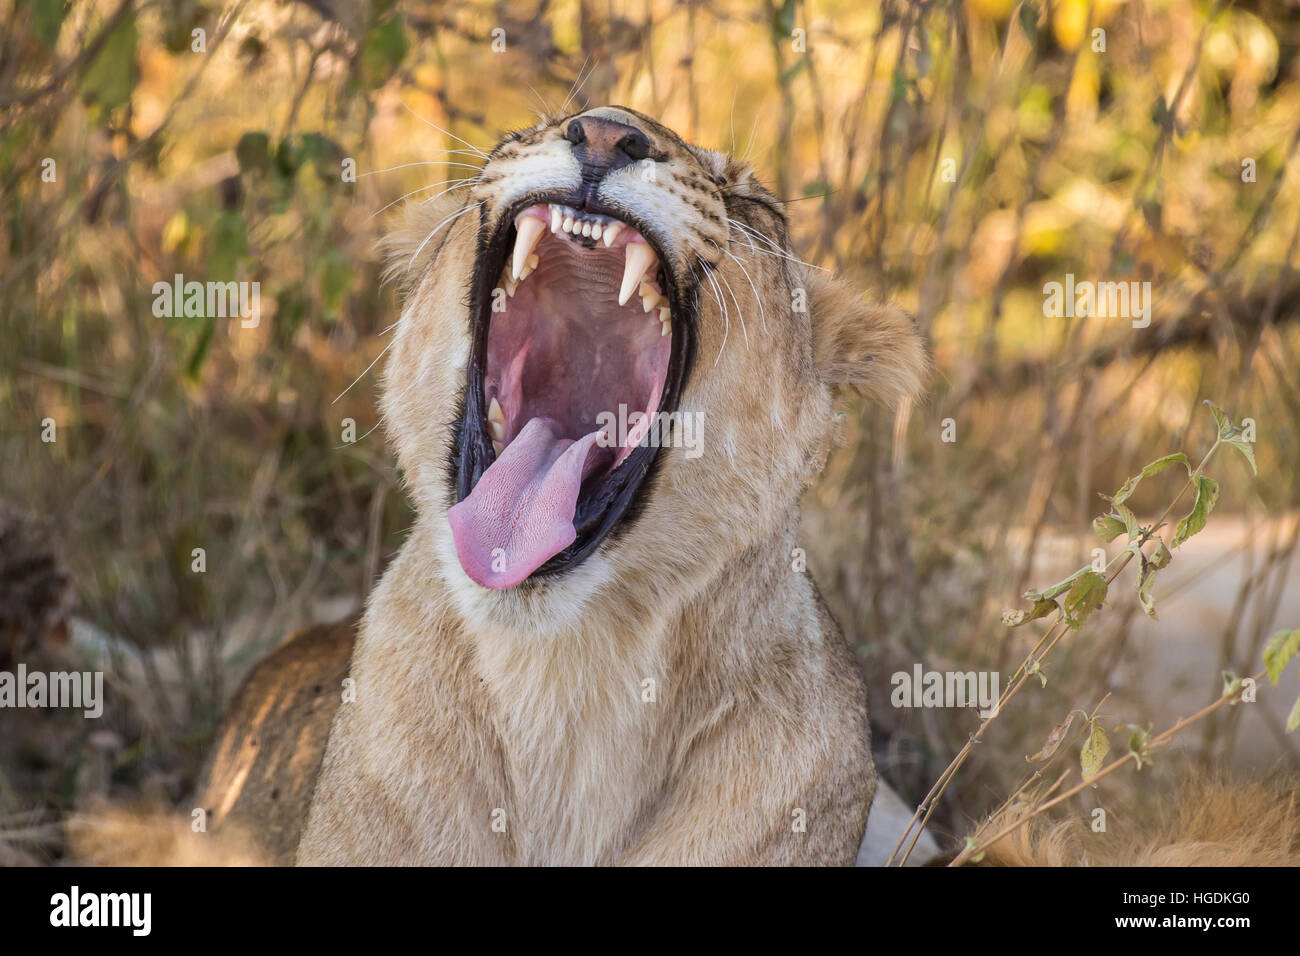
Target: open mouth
[(582, 335)]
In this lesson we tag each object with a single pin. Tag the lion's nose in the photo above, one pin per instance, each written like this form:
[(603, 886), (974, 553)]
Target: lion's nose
[(603, 145)]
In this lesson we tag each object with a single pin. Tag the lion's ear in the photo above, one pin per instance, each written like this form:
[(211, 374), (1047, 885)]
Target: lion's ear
[(871, 347)]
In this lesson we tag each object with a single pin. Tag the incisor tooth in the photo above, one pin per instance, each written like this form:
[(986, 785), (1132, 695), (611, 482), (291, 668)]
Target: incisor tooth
[(586, 229), (595, 231), (567, 225), (530, 230), (610, 233), (556, 218), (638, 258)]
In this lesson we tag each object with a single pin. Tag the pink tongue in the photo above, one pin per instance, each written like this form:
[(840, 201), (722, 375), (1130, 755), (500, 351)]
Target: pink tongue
[(521, 511)]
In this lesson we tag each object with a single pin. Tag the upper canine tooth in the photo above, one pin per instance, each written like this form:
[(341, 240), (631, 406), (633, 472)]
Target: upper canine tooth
[(638, 258), (557, 216), (610, 233), (530, 230)]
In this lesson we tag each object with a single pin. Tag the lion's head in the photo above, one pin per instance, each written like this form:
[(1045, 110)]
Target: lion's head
[(611, 368)]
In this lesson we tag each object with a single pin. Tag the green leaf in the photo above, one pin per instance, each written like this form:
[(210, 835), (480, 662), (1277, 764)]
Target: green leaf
[(898, 86), (1015, 617), (229, 244), (111, 78), (1231, 684), (199, 353), (47, 20), (817, 187), (971, 843), (253, 151), (1086, 595), (1207, 496), (1029, 21), (1279, 650), (1293, 719), (1244, 447), (1060, 587), (1094, 751), (1154, 468), (1108, 527), (1139, 742), (383, 51), (1230, 434), (1146, 577), (783, 20), (335, 278), (1160, 556)]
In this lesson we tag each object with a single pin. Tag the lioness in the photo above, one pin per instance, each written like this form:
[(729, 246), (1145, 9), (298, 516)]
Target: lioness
[(593, 647)]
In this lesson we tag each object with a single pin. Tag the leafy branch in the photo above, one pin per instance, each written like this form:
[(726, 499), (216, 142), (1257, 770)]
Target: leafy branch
[(1075, 598)]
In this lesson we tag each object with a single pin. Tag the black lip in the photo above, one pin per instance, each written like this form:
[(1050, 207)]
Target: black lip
[(613, 503)]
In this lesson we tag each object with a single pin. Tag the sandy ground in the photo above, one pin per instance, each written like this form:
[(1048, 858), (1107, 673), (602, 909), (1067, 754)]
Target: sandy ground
[(1171, 667)]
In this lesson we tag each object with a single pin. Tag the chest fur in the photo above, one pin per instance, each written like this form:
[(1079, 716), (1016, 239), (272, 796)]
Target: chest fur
[(580, 725)]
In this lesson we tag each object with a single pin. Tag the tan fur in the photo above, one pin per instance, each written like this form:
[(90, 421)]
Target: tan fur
[(528, 707), (1211, 823)]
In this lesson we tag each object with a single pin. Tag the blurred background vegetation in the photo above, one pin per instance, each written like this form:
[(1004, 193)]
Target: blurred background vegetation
[(953, 156)]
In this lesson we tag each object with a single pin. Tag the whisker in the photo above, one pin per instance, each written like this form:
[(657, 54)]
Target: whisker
[(762, 313), (427, 162), (578, 83), (726, 318), (739, 314), (363, 374), (461, 184), (445, 132), (415, 255), (778, 251), (750, 145)]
